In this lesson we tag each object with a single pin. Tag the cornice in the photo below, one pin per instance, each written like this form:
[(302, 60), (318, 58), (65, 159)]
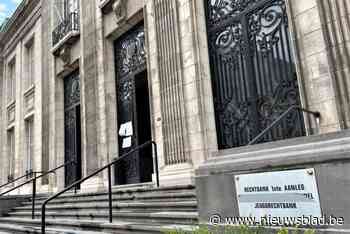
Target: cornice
[(10, 40), (18, 18)]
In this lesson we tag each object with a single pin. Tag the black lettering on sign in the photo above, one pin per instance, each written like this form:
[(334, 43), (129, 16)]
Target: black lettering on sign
[(276, 188), (309, 196), (256, 189), (294, 187), (275, 205)]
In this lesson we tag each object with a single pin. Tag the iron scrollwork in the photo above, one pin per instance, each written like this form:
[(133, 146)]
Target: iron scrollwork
[(229, 42), (219, 10), (71, 91), (265, 23), (131, 52), (253, 72)]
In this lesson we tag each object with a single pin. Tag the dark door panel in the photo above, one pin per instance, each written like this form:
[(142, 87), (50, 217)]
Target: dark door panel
[(134, 126), (72, 128)]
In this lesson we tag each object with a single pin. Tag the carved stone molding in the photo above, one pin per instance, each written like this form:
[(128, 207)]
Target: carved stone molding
[(64, 55), (119, 8)]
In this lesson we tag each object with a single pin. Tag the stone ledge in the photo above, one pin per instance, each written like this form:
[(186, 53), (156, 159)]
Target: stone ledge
[(69, 39), (306, 150)]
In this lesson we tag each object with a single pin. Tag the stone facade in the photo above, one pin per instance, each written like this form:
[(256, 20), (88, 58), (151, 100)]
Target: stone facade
[(26, 102), (179, 81), (320, 33)]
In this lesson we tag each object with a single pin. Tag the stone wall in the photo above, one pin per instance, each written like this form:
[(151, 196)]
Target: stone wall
[(2, 140), (328, 154), (27, 99), (335, 20), (182, 112), (321, 36)]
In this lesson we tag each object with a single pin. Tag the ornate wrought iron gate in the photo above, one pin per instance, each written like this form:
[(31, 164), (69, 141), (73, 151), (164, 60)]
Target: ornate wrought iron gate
[(72, 140), (133, 107), (252, 69)]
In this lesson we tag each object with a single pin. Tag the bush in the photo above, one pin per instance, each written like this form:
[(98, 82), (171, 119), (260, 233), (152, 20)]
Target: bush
[(236, 230)]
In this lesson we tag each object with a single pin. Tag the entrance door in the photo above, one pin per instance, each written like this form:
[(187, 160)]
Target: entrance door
[(143, 125), (252, 68), (134, 125), (72, 137)]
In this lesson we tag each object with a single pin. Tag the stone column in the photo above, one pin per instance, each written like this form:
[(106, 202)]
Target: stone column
[(165, 69), (170, 81), (89, 90), (198, 86), (46, 58), (105, 155), (183, 119), (53, 95)]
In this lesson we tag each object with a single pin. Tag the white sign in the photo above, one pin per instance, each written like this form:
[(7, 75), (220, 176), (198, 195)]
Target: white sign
[(278, 194), (126, 142), (126, 129)]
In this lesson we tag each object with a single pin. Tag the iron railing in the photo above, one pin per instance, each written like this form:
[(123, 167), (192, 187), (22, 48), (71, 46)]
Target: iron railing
[(11, 180), (108, 167), (69, 24), (316, 115), (34, 184)]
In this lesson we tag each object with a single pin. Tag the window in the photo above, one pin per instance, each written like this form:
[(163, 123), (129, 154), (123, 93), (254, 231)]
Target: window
[(66, 19), (29, 79), (63, 9), (29, 126), (11, 153), (11, 81)]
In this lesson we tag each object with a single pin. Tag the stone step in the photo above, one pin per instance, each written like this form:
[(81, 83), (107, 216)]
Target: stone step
[(191, 195), (187, 218), (96, 207), (19, 229), (135, 210), (133, 191), (75, 226)]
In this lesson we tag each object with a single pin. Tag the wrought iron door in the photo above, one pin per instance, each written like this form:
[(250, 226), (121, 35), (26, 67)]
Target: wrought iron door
[(130, 65), (252, 68), (72, 141)]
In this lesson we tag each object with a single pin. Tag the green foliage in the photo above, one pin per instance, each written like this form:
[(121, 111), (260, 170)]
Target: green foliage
[(283, 231), (310, 231), (236, 230)]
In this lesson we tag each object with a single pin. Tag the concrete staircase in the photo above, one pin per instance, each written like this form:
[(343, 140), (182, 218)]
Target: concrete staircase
[(135, 210)]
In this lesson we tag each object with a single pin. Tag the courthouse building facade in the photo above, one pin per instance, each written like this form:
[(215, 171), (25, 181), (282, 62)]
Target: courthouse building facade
[(90, 80)]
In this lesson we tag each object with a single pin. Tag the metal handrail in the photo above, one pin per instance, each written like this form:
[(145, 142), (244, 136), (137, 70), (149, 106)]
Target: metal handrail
[(316, 114), (108, 166), (18, 178), (34, 183)]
